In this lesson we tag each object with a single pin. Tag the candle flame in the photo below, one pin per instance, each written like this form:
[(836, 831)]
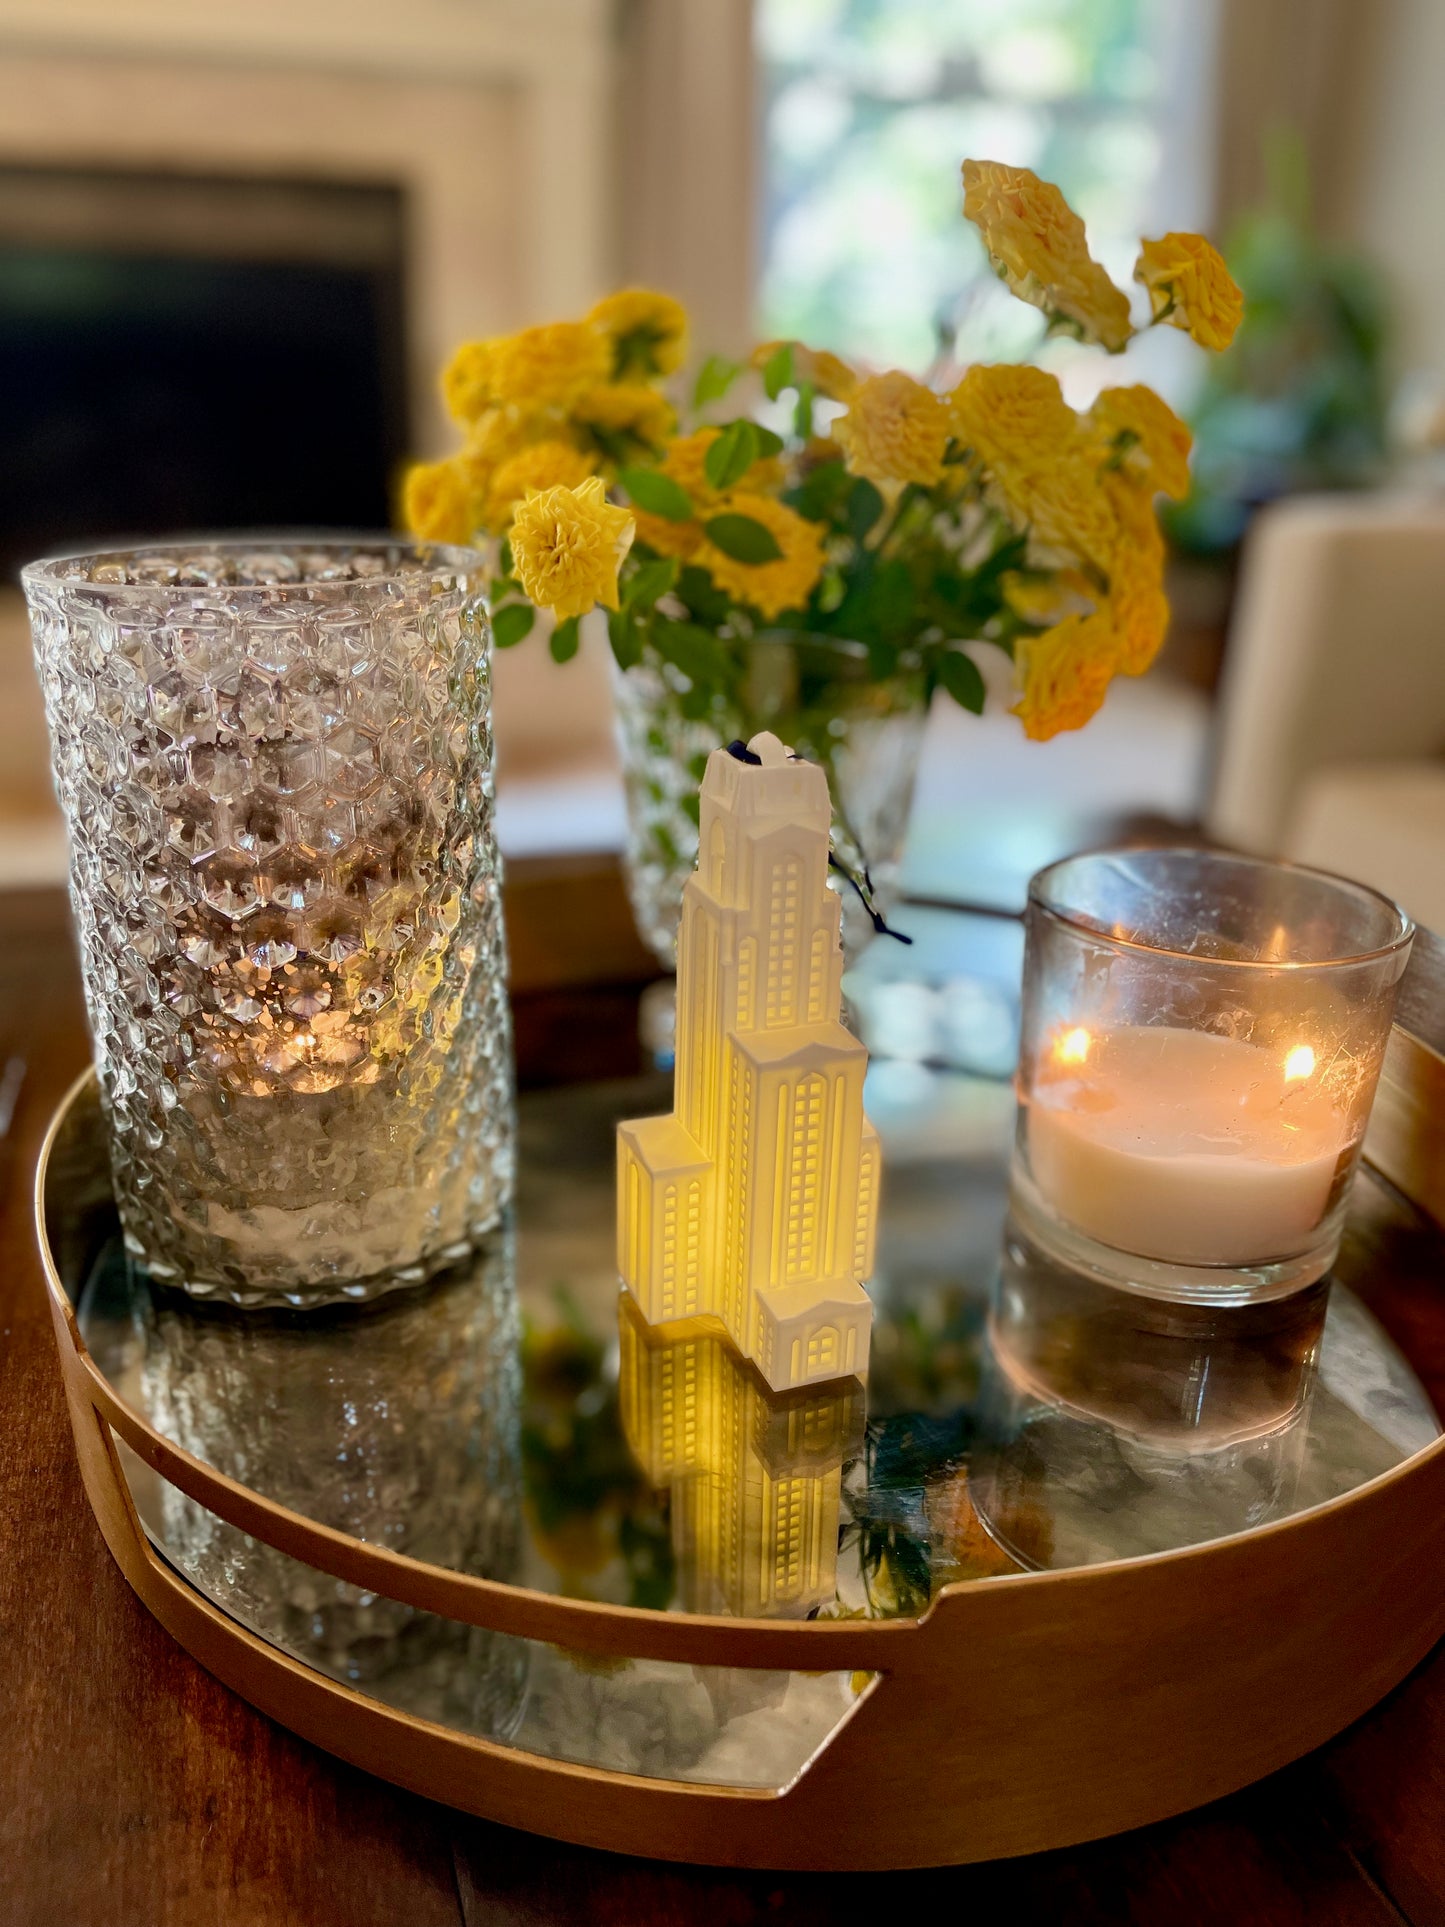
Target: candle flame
[(1073, 1046), (1300, 1063)]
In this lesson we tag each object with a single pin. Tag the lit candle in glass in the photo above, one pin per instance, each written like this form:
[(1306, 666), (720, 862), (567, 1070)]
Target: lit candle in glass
[(1202, 1038)]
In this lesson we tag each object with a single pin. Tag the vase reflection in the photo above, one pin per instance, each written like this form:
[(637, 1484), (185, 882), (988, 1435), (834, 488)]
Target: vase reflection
[(396, 1424), (754, 1477)]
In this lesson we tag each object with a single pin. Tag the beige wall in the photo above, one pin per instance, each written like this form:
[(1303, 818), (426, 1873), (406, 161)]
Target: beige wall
[(1396, 211)]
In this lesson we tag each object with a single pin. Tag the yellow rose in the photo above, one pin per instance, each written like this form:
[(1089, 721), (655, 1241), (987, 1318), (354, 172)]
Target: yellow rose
[(1156, 444), (1191, 288), (436, 502), (895, 430), (768, 587), (1036, 244), (567, 546), (544, 465), (630, 409), (1063, 675), (826, 373), (648, 331), (467, 380), (1038, 462), (552, 366)]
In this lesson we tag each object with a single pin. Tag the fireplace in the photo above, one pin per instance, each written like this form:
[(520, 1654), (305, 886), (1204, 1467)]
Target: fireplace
[(191, 351)]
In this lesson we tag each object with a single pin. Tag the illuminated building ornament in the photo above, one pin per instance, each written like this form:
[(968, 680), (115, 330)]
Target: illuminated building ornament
[(756, 1200)]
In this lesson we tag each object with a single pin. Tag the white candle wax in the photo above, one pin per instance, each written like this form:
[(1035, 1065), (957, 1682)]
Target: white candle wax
[(1182, 1146)]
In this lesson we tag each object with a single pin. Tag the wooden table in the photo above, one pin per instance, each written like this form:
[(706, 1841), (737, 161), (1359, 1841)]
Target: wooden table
[(138, 1792)]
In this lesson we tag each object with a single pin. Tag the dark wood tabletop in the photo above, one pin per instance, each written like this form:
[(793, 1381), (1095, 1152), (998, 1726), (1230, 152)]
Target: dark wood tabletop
[(138, 1792)]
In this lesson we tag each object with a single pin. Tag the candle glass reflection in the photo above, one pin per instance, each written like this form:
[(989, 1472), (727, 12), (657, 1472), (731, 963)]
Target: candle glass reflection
[(1202, 1036), (275, 765)]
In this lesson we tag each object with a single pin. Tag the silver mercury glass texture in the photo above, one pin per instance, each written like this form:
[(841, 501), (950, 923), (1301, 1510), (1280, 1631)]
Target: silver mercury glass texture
[(276, 769)]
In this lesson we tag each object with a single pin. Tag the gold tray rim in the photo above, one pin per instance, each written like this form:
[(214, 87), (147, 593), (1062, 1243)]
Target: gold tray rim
[(1081, 1624)]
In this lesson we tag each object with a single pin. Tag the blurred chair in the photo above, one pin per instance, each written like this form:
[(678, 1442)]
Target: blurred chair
[(1331, 741)]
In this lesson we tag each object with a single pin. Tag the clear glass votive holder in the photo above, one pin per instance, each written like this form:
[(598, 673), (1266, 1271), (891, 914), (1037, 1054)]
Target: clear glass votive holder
[(1201, 1040), (275, 763)]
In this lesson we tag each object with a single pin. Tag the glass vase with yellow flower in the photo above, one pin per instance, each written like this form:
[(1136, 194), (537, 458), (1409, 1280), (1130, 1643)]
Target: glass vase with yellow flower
[(826, 560)]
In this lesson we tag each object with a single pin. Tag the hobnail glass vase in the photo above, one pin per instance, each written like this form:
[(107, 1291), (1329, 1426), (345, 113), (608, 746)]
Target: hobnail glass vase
[(276, 768), (817, 694)]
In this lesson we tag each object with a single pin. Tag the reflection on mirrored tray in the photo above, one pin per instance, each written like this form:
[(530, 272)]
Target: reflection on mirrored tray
[(519, 1420)]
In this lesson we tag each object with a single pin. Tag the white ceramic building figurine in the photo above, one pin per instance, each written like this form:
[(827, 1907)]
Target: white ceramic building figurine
[(756, 1201)]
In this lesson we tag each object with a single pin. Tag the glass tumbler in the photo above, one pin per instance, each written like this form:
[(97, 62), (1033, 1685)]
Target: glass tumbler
[(1202, 1037), (276, 769)]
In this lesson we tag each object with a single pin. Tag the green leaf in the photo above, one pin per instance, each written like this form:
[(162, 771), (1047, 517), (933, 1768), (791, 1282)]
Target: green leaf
[(625, 637), (892, 598), (778, 371), (803, 410), (730, 457), (648, 581), (865, 505), (697, 652), (743, 539), (504, 557), (714, 379), (511, 624), (768, 442), (657, 493), (882, 658), (564, 640), (818, 493), (960, 676), (704, 599)]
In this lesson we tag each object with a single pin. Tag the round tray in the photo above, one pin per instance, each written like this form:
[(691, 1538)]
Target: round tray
[(1001, 1714)]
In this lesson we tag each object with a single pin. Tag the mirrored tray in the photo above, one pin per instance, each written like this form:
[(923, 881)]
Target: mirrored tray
[(1066, 1562)]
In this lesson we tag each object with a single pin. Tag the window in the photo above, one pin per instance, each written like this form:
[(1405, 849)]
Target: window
[(823, 1350), (870, 107)]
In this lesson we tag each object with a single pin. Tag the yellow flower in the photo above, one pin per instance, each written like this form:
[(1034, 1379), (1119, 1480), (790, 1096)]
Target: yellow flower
[(685, 462), (1038, 461), (1063, 675), (828, 374), (1007, 414), (1158, 443), (551, 366), (1048, 598), (768, 587), (1190, 287), (1037, 245), (436, 502), (467, 380), (1137, 606), (500, 433), (567, 546), (895, 430), (648, 331), (544, 465), (495, 438), (630, 409)]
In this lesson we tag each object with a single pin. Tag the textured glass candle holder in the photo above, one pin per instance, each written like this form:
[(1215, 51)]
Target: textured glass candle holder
[(276, 769), (1202, 1037)]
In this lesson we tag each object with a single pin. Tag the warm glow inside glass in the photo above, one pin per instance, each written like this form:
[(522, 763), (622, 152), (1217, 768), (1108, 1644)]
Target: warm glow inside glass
[(1202, 1037), (275, 762)]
